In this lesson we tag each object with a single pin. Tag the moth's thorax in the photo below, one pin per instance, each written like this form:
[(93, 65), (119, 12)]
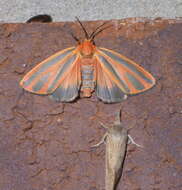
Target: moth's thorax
[(117, 130), (87, 63), (86, 48)]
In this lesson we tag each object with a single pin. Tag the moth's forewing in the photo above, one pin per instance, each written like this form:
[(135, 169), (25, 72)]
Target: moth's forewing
[(49, 74), (126, 74)]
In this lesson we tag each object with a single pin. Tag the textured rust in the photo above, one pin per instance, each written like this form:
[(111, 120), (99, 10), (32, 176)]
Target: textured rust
[(46, 145)]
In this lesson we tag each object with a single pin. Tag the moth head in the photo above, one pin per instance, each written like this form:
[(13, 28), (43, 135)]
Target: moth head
[(87, 48), (118, 118)]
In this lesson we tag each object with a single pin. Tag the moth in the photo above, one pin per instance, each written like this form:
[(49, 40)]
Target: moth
[(116, 139), (85, 68), (40, 18)]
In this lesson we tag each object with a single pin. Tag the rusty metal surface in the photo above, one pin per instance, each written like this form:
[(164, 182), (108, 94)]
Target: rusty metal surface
[(45, 145)]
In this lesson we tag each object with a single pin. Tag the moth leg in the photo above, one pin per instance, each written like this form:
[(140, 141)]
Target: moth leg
[(133, 142), (101, 141), (103, 125)]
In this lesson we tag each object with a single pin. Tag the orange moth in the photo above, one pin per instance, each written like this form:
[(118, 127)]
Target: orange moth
[(86, 68)]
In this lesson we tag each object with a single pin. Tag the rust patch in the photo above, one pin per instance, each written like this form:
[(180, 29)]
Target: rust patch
[(46, 145)]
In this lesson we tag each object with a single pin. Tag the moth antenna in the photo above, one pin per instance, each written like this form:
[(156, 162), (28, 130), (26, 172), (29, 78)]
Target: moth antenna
[(74, 37), (86, 34), (95, 34), (97, 29)]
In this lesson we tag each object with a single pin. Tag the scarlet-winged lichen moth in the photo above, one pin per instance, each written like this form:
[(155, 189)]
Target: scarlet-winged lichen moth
[(87, 68)]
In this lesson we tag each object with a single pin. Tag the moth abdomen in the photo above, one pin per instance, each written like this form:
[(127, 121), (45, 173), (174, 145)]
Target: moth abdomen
[(88, 83)]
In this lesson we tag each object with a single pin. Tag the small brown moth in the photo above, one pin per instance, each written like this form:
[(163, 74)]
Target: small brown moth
[(116, 139), (40, 18)]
